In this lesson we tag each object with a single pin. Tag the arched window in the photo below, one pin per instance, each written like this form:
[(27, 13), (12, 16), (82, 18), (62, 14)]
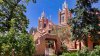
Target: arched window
[(62, 18), (44, 25)]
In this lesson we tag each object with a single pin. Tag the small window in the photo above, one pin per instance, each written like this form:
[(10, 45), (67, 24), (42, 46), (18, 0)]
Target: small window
[(49, 31), (62, 18), (44, 25)]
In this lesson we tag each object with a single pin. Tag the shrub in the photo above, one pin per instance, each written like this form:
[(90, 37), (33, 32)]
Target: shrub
[(84, 52)]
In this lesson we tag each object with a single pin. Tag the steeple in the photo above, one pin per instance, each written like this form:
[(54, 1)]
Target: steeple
[(43, 21), (64, 14), (65, 5), (43, 15)]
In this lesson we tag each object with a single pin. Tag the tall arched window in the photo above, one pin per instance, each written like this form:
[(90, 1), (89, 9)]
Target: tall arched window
[(62, 18), (44, 25)]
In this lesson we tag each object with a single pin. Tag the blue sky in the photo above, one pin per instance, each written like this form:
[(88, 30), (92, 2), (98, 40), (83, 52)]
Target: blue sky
[(51, 8)]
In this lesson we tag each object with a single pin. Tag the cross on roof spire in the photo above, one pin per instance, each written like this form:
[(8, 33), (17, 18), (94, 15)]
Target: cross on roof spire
[(43, 14), (65, 5)]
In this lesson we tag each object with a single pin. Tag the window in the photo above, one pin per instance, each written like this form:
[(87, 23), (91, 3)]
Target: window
[(44, 25), (49, 31), (62, 18)]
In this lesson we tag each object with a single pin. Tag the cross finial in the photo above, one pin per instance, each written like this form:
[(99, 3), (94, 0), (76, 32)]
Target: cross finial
[(43, 14), (65, 5)]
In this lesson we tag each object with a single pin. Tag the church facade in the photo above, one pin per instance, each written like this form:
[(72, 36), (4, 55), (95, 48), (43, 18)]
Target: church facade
[(49, 44)]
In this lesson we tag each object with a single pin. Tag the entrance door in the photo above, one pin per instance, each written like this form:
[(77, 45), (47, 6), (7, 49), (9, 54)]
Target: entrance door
[(50, 48)]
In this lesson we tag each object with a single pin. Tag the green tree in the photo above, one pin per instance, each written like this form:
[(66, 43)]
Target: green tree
[(85, 21), (61, 32), (14, 39)]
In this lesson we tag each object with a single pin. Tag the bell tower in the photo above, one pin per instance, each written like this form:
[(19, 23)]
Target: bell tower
[(42, 22), (64, 14)]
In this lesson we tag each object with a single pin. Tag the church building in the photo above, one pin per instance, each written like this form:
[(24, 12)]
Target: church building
[(49, 44)]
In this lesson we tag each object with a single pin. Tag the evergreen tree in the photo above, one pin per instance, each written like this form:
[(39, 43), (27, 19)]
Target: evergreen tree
[(85, 21), (14, 39)]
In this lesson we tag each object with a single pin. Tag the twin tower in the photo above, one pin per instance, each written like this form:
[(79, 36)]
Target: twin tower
[(63, 15)]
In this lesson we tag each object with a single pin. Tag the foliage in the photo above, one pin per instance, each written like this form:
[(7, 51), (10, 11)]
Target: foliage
[(1, 1), (64, 48), (14, 39), (85, 20), (21, 43), (69, 54), (84, 52), (61, 32)]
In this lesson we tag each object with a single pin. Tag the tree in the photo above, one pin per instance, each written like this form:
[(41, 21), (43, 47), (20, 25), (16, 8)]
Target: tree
[(85, 21), (14, 39), (61, 32)]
